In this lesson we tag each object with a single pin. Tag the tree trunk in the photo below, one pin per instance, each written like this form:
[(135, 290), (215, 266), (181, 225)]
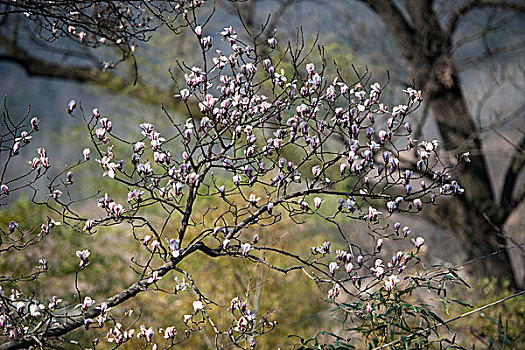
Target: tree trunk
[(480, 239), (474, 225), (426, 47)]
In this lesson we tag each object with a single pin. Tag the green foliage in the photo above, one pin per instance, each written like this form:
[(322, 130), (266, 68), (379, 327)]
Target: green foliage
[(498, 327)]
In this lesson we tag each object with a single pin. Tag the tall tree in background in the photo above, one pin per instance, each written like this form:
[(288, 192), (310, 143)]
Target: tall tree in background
[(426, 43)]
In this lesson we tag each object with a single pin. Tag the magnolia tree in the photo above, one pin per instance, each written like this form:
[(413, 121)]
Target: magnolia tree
[(267, 137)]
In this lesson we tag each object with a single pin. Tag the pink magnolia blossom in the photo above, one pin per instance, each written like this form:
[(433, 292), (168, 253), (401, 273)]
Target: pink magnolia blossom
[(272, 42), (34, 123), (197, 306), (71, 106), (83, 255), (332, 267), (418, 242), (4, 189), (245, 248), (391, 282)]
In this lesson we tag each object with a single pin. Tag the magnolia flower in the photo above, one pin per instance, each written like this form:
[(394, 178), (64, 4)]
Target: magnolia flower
[(397, 226), (326, 247), (317, 202), (360, 260), (96, 113), (43, 264), (303, 204), (399, 110), (187, 318), (147, 128), (155, 244), (382, 135), (316, 170), (89, 224), (245, 248), (272, 42), (16, 147), (391, 205), (101, 133), (34, 309), (379, 244), (198, 30), (55, 194), (236, 180), (88, 302), (88, 322), (369, 308), (15, 294), (310, 67), (106, 124), (86, 153), (146, 239), (169, 332), (34, 123), (414, 95), (147, 333), (83, 255), (228, 31), (13, 225), (429, 146), (20, 306), (71, 106), (391, 282), (191, 178), (4, 189), (178, 188), (373, 213), (184, 94), (174, 246), (138, 146), (207, 41), (253, 198), (197, 306), (136, 195), (24, 136), (333, 266), (349, 267), (418, 242), (54, 302), (418, 204), (334, 292), (154, 277), (145, 168), (342, 168), (378, 271), (270, 208)]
